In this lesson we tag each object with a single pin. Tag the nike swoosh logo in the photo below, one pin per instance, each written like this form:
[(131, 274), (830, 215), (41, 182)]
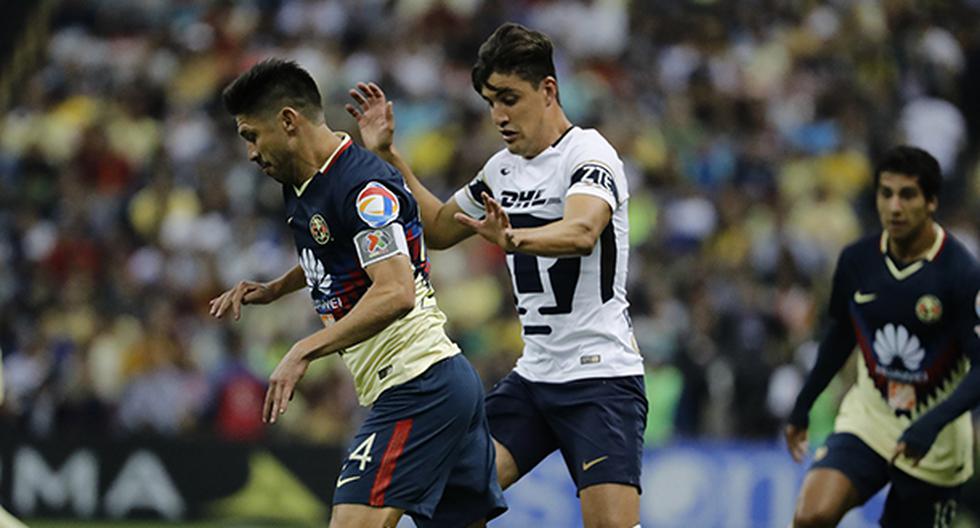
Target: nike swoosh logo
[(588, 465), (289, 220), (342, 481), (862, 298)]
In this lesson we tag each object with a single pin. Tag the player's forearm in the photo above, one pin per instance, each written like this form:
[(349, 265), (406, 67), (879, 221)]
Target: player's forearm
[(557, 239), (833, 353), (439, 228), (289, 282), (379, 307), (966, 396)]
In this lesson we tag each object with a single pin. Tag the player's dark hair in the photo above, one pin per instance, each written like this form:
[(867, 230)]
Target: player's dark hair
[(269, 86), (514, 49), (916, 162)]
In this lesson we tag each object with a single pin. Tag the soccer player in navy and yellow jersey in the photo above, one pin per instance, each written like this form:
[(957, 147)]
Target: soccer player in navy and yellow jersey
[(425, 447), (909, 299)]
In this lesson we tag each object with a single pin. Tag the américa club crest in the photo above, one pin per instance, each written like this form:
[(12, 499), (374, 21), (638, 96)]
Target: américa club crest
[(319, 229)]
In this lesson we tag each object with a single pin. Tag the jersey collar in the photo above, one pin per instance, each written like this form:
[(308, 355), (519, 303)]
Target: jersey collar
[(908, 271), (345, 142)]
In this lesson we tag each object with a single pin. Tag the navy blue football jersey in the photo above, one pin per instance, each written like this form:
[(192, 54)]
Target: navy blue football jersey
[(357, 211), (916, 328), (355, 191)]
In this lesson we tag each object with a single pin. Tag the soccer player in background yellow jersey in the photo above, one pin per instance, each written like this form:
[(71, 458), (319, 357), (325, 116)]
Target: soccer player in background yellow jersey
[(909, 299)]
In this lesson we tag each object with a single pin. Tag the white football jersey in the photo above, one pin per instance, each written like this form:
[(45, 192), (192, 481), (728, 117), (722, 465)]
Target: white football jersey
[(573, 310)]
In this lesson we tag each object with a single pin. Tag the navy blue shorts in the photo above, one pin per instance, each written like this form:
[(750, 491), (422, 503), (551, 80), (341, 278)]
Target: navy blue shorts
[(425, 448), (910, 502), (597, 424)]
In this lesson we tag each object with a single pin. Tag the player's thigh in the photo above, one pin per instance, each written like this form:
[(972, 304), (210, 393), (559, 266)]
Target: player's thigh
[(472, 493), (610, 505), (913, 502), (599, 424), (519, 427), (404, 452), (845, 473), (826, 495), (362, 516)]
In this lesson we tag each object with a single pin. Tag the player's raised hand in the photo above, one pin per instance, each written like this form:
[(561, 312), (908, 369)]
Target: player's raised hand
[(245, 292), (796, 442), (375, 116), (282, 383), (495, 226)]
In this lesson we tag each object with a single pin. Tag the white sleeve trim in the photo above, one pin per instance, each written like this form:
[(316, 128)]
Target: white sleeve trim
[(591, 190)]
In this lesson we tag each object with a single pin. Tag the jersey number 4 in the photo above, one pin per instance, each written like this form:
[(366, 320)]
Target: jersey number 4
[(563, 275)]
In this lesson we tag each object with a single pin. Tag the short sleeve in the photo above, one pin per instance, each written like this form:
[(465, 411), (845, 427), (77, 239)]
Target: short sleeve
[(596, 170), (470, 197), (375, 216)]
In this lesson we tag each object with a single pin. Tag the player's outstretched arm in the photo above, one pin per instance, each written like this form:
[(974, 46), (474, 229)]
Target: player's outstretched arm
[(575, 234), (390, 296), (376, 120), (250, 292)]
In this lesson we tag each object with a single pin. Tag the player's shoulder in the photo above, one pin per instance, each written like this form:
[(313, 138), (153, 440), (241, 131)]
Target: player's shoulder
[(955, 256), (863, 249), (586, 142)]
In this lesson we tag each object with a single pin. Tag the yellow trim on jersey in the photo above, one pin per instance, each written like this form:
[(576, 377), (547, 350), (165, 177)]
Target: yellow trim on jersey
[(403, 350), (344, 139), (902, 274)]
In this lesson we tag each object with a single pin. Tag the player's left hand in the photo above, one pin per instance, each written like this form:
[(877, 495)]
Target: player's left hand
[(903, 449), (282, 382), (495, 226)]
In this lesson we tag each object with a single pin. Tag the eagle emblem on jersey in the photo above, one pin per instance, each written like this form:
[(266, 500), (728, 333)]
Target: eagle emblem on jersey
[(317, 279), (928, 309), (377, 205), (896, 342), (319, 229)]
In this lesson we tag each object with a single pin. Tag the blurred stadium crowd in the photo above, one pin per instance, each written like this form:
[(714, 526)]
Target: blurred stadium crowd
[(749, 130)]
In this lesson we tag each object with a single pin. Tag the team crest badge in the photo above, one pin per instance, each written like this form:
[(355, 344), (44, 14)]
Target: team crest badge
[(377, 205), (928, 309), (319, 229)]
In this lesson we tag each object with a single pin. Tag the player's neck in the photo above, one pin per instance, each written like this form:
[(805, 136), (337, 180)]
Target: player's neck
[(555, 127), (320, 143), (915, 246)]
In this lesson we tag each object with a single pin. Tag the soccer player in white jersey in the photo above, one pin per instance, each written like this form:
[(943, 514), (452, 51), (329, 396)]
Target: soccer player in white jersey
[(425, 447), (556, 200)]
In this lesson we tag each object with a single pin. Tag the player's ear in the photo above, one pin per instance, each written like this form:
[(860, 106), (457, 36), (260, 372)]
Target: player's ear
[(550, 86), (932, 204), (288, 119)]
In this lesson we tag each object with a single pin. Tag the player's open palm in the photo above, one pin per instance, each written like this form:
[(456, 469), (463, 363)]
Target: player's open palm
[(495, 226), (375, 116), (796, 441), (282, 383), (245, 292)]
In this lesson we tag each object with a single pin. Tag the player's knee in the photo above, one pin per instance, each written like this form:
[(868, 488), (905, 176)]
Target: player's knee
[(815, 518)]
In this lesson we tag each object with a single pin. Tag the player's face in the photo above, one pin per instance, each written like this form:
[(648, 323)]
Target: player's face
[(267, 146), (902, 208), (517, 108)]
